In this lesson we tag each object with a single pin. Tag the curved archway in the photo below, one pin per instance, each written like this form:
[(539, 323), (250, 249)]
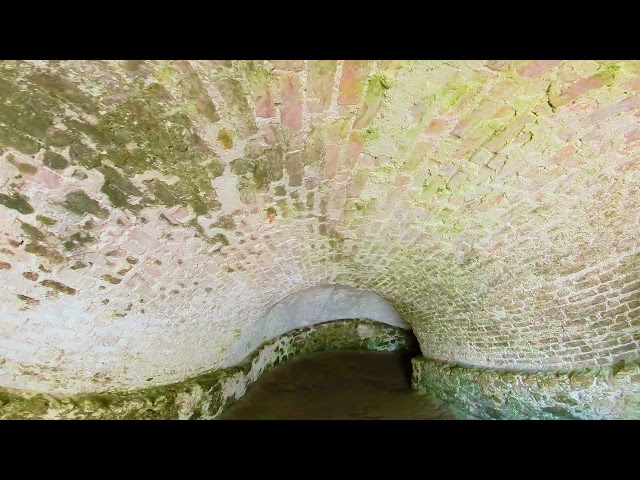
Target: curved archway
[(314, 305), (152, 211)]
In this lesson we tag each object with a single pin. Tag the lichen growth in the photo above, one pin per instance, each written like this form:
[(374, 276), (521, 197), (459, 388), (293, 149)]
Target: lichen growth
[(381, 79), (370, 134), (511, 394), (609, 72), (118, 188)]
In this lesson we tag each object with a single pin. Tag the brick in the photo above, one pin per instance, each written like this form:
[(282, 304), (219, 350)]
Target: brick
[(288, 65), (291, 107), (372, 100), (577, 89), (537, 68), (332, 154), (352, 82), (261, 96), (350, 156), (320, 79)]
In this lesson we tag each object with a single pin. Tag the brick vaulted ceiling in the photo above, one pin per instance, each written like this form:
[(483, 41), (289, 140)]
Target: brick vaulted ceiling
[(152, 212)]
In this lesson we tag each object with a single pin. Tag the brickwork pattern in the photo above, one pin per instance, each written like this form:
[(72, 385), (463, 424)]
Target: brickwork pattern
[(151, 212)]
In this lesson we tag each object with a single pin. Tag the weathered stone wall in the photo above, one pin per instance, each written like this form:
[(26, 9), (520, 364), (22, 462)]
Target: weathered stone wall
[(152, 212), (609, 392), (205, 396)]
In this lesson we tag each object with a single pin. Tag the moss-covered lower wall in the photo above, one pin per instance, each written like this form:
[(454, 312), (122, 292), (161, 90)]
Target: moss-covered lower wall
[(611, 392), (205, 396)]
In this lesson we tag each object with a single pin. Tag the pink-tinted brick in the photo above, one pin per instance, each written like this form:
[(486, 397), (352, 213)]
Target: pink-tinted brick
[(350, 157), (373, 97), (390, 67), (510, 132), (473, 141), (577, 89), (270, 135), (562, 155), (462, 103), (261, 95), (288, 65), (537, 67), (359, 182), (354, 73), (320, 78), (435, 126), (366, 161), (291, 107), (498, 65), (485, 109), (633, 85), (504, 90), (332, 153)]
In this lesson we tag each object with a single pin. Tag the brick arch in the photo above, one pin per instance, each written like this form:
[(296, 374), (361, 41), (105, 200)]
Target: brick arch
[(318, 304), (152, 211)]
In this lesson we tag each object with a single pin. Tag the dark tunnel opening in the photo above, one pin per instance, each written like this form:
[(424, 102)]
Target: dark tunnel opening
[(341, 385)]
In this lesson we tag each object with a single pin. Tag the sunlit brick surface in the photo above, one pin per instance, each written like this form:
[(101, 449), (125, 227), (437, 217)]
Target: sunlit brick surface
[(152, 212)]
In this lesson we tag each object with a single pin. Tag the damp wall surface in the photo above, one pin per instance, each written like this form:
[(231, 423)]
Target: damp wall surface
[(611, 392), (153, 212), (204, 397)]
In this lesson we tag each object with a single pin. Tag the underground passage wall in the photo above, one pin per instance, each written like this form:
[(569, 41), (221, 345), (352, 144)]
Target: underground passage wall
[(153, 212)]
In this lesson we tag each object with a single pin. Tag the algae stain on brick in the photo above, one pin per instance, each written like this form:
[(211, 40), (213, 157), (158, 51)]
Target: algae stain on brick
[(16, 202), (27, 299), (32, 232), (41, 250), (225, 139), (139, 131), (58, 287), (46, 220), (55, 161), (33, 276), (76, 240), (111, 279), (81, 203), (25, 168), (117, 187)]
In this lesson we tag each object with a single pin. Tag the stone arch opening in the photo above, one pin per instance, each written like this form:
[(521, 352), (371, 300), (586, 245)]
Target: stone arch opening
[(355, 370), (321, 304)]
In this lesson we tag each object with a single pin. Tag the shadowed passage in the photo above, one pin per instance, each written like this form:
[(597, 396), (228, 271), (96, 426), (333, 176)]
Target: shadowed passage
[(340, 385)]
